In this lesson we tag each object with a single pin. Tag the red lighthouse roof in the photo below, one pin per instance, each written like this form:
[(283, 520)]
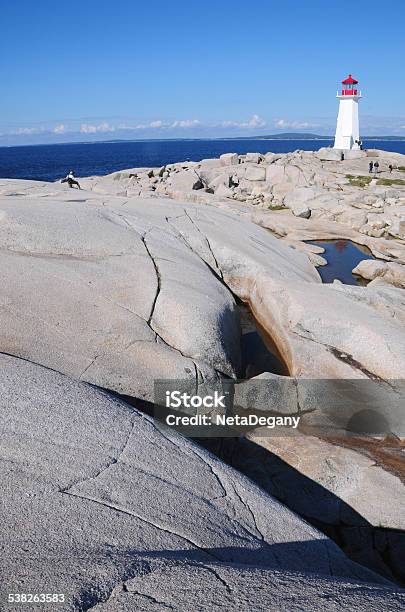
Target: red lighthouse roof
[(350, 81)]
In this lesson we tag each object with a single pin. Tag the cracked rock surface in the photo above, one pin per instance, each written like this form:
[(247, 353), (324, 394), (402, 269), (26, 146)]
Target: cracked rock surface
[(102, 505), (219, 587), (121, 291)]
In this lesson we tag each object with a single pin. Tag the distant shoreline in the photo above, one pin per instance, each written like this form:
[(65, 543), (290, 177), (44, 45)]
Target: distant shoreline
[(270, 137)]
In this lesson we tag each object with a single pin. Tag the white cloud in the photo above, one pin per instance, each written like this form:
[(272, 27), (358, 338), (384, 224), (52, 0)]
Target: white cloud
[(159, 124), (88, 129), (254, 122), (300, 125), (185, 123), (85, 128), (124, 126), (59, 129), (154, 125), (28, 130)]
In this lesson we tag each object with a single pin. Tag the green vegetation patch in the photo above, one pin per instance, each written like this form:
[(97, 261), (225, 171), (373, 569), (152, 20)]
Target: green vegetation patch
[(359, 180), (277, 207), (401, 168), (389, 182)]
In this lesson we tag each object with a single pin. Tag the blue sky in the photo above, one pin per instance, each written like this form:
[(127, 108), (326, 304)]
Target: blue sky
[(103, 69)]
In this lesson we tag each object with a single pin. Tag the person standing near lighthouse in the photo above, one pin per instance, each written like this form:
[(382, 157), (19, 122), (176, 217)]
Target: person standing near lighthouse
[(347, 129)]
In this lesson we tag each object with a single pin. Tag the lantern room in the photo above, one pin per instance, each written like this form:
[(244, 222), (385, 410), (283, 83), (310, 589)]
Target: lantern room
[(349, 86)]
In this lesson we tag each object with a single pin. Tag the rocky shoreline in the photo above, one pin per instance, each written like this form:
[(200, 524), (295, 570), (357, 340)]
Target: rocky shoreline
[(138, 277), (342, 198)]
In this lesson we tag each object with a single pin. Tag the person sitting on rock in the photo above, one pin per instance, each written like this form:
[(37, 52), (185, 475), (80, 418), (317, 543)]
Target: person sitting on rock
[(70, 179)]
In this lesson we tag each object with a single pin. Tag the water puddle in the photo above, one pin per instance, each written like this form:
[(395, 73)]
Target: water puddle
[(259, 353), (342, 256)]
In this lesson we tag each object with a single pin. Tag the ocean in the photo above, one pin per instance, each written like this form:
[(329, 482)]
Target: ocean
[(52, 162)]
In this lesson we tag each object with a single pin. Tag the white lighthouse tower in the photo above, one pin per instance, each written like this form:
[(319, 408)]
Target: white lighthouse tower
[(347, 129)]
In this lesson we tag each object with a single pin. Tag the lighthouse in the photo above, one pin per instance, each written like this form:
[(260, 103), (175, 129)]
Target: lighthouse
[(347, 129)]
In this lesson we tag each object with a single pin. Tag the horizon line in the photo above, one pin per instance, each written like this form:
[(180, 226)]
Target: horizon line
[(310, 137)]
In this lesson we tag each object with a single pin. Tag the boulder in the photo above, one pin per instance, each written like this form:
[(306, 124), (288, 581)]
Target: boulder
[(229, 159), (266, 393), (159, 172), (317, 260), (223, 192), (253, 158), (390, 272), (397, 228), (275, 174), (234, 180), (373, 153), (370, 230), (184, 180), (295, 175), (300, 194), (355, 154), (124, 174), (255, 172), (326, 203), (244, 189), (270, 158), (354, 218), (328, 154), (220, 179), (300, 209), (209, 164), (297, 200)]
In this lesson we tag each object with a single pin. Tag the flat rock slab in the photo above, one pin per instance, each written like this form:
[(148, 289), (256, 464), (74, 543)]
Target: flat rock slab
[(94, 494), (348, 479)]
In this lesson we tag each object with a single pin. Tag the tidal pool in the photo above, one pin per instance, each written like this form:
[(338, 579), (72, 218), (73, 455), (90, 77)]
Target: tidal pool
[(342, 256), (259, 353)]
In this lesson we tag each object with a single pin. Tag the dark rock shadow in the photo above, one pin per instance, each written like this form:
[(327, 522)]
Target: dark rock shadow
[(379, 549), (309, 557)]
